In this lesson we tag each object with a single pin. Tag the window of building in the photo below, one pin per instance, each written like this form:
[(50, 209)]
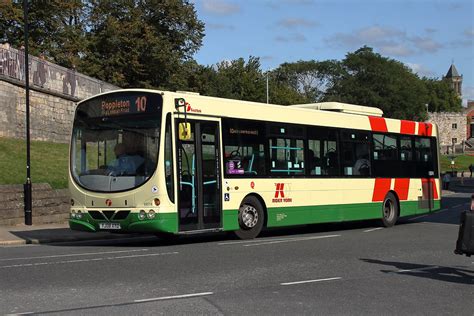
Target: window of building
[(454, 126), (454, 140)]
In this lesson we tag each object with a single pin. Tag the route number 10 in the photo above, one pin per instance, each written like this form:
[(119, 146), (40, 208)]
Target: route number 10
[(140, 103)]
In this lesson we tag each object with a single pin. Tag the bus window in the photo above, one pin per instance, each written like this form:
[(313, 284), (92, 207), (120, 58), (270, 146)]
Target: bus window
[(244, 148), (424, 157), (169, 159), (287, 156), (322, 158), (385, 155), (355, 153)]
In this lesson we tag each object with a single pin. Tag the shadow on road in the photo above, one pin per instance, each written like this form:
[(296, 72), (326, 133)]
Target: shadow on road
[(440, 273)]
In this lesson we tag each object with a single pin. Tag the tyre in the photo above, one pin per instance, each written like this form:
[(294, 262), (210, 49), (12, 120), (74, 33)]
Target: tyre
[(390, 210), (251, 218)]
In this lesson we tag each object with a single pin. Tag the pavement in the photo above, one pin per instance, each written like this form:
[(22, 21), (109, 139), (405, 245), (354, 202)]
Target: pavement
[(50, 233)]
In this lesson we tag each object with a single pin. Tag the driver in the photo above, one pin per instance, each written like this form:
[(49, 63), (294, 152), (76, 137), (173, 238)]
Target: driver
[(124, 164)]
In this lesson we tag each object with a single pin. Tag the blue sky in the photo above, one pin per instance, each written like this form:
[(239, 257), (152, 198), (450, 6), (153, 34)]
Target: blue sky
[(426, 35)]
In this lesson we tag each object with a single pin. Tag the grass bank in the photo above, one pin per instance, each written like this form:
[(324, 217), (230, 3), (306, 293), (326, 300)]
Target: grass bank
[(49, 162), (461, 162)]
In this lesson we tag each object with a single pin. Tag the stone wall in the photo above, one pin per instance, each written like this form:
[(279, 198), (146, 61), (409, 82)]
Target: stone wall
[(445, 121), (54, 92), (49, 206)]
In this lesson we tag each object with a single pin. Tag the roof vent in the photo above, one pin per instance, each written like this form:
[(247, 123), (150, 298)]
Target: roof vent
[(187, 92), (342, 108)]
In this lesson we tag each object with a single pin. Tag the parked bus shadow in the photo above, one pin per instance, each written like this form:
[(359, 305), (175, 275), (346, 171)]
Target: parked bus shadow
[(440, 273)]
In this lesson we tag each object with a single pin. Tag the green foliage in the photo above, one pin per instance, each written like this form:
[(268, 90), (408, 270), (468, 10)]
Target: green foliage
[(441, 97), (130, 43), (49, 162), (369, 79)]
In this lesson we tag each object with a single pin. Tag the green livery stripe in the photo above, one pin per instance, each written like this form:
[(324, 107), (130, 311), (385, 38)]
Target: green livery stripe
[(299, 215), (230, 220)]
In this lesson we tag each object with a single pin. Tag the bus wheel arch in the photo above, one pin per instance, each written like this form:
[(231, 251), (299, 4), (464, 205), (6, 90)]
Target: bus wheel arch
[(390, 209), (252, 217)]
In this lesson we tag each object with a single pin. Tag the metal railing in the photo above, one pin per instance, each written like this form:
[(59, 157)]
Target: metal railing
[(46, 75)]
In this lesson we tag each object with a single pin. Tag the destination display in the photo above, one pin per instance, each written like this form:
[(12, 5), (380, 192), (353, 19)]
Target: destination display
[(122, 103)]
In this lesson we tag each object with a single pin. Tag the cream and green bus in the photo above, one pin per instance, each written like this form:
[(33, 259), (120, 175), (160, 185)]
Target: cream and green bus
[(173, 163)]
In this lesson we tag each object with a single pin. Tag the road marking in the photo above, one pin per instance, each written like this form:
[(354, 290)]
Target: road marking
[(86, 260), (311, 281), (173, 297), (418, 217), (415, 270), (457, 205), (75, 254), (259, 240), (373, 229), (290, 240)]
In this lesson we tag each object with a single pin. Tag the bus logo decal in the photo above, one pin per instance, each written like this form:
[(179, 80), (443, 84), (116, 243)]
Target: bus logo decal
[(280, 194), (108, 202), (279, 190)]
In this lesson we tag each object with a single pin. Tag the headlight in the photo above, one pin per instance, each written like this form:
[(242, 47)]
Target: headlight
[(73, 214), (142, 215), (79, 214), (151, 214)]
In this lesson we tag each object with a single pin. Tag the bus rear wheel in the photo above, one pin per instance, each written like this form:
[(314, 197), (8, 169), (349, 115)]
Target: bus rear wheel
[(251, 218), (390, 210)]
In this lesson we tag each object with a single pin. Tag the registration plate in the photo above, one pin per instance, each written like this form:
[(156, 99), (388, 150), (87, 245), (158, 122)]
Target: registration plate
[(109, 225)]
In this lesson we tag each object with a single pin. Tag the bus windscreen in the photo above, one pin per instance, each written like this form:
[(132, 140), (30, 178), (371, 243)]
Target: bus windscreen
[(115, 141)]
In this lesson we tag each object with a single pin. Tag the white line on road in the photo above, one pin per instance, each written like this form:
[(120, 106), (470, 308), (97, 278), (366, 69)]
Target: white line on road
[(75, 254), (415, 270), (86, 260), (290, 240), (173, 297), (258, 240), (311, 281), (373, 229), (418, 217)]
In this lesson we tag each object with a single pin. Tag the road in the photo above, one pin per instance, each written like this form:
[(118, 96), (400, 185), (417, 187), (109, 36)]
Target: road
[(349, 268)]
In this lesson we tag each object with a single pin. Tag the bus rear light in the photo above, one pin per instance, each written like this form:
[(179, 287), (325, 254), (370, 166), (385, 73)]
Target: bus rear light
[(157, 202), (151, 214), (142, 215)]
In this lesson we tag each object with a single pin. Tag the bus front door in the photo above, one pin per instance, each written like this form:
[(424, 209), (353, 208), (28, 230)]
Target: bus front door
[(199, 188)]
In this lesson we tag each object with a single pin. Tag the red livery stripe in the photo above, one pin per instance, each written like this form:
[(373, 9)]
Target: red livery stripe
[(378, 124), (382, 186), (401, 187), (425, 129), (407, 127)]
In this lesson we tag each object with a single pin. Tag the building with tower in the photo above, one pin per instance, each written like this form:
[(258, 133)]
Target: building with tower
[(455, 80), (456, 129)]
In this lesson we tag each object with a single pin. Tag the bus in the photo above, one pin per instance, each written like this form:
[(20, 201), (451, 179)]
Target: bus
[(173, 163)]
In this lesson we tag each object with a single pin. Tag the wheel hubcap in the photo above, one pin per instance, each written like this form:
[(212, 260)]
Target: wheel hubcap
[(249, 216), (388, 210)]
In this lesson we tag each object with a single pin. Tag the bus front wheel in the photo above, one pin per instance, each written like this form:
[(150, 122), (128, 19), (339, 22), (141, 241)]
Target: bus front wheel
[(390, 210), (251, 218)]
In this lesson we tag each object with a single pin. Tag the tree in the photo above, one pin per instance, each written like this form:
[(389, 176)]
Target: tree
[(369, 79), (441, 97), (56, 28), (309, 79), (130, 43)]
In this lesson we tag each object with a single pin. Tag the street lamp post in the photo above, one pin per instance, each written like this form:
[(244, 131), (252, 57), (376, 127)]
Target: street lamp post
[(27, 185), (268, 99)]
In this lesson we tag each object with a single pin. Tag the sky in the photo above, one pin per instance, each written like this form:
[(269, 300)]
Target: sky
[(426, 35)]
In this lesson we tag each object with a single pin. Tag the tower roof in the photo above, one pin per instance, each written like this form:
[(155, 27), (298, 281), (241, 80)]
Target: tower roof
[(452, 72)]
